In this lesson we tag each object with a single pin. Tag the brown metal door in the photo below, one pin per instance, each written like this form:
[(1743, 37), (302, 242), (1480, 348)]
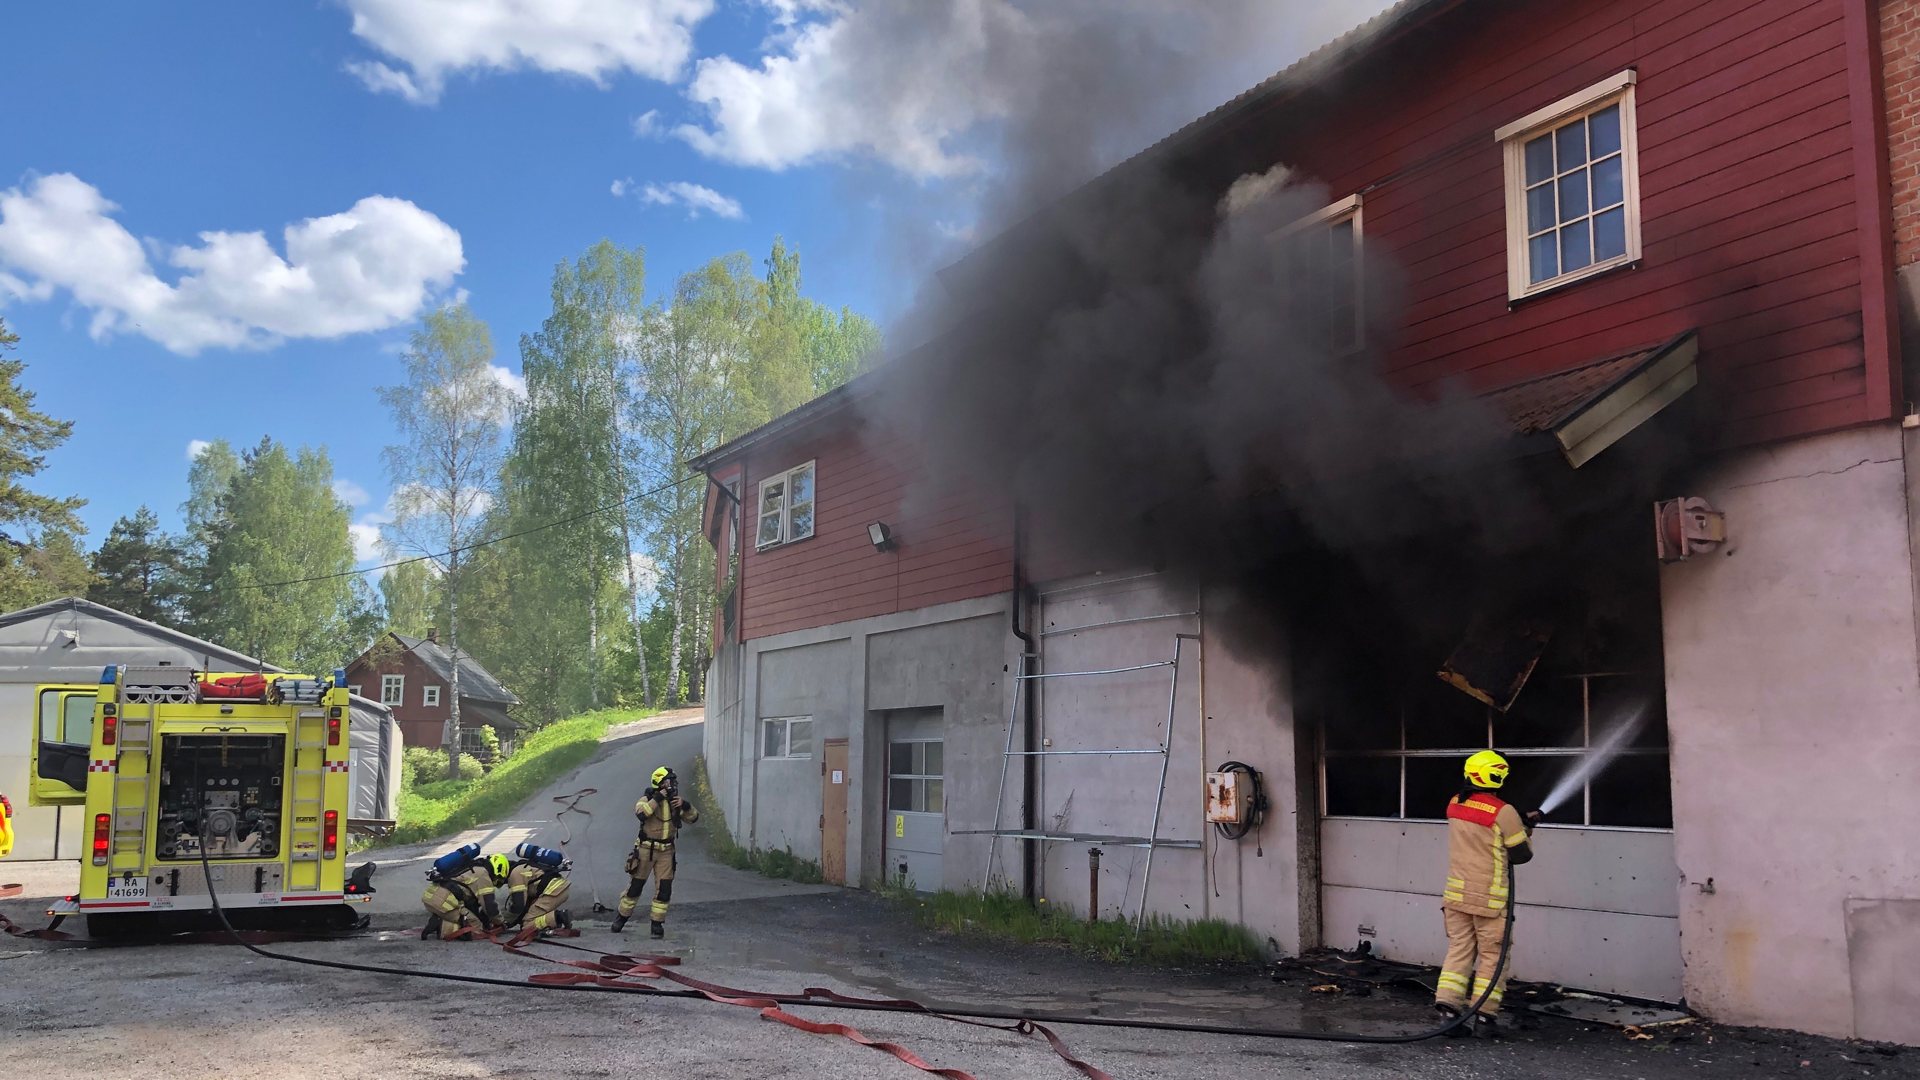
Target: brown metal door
[(833, 812)]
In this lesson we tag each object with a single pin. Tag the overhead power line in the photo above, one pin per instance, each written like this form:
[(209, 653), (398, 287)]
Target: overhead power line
[(476, 545)]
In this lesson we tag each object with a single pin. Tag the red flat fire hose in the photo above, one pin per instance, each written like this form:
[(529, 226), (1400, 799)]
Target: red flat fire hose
[(610, 969)]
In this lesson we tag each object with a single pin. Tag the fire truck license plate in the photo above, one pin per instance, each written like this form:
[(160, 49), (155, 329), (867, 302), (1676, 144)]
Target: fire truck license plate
[(123, 889)]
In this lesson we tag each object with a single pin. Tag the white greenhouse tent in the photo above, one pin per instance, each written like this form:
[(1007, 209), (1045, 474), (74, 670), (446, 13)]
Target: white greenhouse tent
[(73, 640)]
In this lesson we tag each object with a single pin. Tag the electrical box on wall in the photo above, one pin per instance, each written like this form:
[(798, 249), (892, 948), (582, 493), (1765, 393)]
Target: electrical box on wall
[(1226, 803)]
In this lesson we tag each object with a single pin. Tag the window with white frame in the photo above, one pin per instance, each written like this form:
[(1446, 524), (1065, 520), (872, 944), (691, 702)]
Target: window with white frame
[(1320, 269), (786, 737), (786, 507), (355, 690), (430, 695), (1573, 188), (393, 689)]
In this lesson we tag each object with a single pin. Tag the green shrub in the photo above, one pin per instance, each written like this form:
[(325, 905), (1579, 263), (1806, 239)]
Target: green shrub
[(1004, 915), (782, 863)]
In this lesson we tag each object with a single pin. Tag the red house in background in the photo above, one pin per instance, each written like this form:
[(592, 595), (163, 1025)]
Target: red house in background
[(414, 677), (1613, 217)]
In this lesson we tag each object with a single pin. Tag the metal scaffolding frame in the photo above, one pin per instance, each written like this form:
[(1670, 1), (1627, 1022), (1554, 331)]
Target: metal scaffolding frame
[(1150, 842)]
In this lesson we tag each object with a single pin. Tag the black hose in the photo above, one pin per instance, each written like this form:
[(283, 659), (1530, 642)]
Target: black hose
[(1506, 944), (1256, 801)]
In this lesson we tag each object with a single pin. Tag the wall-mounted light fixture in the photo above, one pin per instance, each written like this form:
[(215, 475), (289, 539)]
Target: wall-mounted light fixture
[(881, 535)]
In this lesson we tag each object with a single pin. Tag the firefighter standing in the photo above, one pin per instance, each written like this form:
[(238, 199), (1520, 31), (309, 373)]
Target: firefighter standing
[(537, 892), (464, 900), (1485, 834), (661, 812)]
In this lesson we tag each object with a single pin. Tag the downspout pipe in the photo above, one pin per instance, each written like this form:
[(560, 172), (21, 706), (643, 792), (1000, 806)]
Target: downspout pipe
[(1029, 688)]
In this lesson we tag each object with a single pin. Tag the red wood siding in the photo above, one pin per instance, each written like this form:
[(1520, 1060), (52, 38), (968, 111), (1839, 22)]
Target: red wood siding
[(949, 544), (1751, 180), (1900, 54), (420, 725)]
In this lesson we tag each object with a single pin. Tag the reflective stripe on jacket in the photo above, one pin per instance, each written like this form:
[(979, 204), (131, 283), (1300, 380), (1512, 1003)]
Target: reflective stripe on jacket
[(659, 822), (1482, 831)]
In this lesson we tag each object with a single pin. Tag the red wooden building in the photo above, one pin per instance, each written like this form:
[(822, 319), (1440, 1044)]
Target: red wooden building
[(1601, 208), (414, 677)]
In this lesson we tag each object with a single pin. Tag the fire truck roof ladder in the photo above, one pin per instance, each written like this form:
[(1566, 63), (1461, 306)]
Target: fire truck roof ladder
[(1152, 840)]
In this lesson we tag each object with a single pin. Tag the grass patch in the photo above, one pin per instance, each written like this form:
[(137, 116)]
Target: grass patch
[(1006, 916), (773, 863), (440, 808)]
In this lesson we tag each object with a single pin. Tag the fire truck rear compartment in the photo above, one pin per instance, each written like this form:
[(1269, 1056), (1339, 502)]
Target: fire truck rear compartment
[(221, 792)]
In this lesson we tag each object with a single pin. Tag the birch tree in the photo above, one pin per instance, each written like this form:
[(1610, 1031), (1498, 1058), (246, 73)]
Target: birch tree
[(449, 412)]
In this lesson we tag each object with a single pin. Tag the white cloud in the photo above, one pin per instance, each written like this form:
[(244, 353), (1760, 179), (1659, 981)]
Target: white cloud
[(646, 572), (366, 540), (695, 198), (621, 187), (350, 493), (592, 39), (647, 124), (878, 82), (515, 384), (372, 267), (196, 447)]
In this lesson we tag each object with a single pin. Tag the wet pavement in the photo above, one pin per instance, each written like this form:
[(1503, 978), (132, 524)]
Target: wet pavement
[(215, 1010)]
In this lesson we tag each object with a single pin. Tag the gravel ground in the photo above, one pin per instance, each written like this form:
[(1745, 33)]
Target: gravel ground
[(202, 1010)]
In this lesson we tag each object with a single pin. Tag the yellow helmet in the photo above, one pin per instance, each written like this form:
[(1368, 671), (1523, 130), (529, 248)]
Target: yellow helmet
[(660, 775), (498, 865), (1486, 769)]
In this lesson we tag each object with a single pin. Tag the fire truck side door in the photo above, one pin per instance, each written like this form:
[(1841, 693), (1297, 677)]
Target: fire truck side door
[(63, 745)]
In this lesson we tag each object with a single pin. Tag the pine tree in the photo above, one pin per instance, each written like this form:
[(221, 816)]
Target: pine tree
[(139, 570), (40, 556)]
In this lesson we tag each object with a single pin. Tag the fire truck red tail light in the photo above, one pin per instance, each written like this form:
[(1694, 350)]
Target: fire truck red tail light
[(109, 729), (330, 834), (333, 728), (102, 827)]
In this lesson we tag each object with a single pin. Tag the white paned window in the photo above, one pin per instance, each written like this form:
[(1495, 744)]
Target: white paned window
[(786, 737), (786, 507), (393, 689), (430, 695), (355, 690), (1573, 188), (1322, 278)]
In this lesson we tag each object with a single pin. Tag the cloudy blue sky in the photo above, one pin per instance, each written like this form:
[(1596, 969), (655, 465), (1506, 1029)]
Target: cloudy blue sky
[(221, 219)]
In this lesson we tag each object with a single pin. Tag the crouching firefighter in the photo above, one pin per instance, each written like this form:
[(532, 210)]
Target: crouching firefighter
[(537, 892), (1485, 835), (661, 812), (460, 893)]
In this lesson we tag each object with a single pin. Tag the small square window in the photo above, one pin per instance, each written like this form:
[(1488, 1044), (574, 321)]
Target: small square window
[(430, 696), (1573, 188)]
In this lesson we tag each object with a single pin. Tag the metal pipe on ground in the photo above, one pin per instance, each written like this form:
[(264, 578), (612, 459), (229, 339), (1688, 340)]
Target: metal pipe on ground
[(1093, 885)]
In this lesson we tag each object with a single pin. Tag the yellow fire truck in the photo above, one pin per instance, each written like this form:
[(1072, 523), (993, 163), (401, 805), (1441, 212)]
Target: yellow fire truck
[(180, 772)]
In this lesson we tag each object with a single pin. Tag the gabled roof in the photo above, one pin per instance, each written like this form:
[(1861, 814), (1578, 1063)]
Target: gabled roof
[(475, 681), (55, 635)]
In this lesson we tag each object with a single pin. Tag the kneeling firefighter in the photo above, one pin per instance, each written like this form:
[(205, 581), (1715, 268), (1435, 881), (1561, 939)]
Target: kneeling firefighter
[(661, 812), (1485, 834), (460, 892), (537, 892)]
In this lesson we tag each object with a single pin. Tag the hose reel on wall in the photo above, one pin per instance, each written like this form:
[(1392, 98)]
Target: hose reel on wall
[(1236, 799)]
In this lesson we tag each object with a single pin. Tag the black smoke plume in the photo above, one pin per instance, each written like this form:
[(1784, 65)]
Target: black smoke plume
[(1166, 372)]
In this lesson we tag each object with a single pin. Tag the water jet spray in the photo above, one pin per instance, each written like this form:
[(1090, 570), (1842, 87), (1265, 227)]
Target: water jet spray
[(1626, 723)]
